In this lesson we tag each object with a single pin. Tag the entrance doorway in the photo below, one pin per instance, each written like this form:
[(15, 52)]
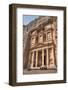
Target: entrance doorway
[(45, 57), (39, 58)]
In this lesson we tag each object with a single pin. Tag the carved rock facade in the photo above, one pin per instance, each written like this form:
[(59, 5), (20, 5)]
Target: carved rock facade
[(41, 44)]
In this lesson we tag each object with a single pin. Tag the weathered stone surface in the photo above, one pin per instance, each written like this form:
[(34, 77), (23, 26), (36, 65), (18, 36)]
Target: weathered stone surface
[(39, 36)]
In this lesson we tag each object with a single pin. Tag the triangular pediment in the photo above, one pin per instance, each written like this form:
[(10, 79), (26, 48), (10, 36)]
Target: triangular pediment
[(38, 45)]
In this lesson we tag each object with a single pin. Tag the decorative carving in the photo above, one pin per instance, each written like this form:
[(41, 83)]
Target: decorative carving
[(42, 44)]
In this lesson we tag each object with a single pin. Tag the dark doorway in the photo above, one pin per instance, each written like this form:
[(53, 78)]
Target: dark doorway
[(34, 59), (44, 57), (39, 58)]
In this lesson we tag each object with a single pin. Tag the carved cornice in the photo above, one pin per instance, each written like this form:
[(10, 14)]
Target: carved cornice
[(40, 45)]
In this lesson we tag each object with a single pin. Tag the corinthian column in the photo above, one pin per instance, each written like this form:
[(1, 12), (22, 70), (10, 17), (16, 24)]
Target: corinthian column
[(36, 58), (53, 58), (47, 58), (42, 57), (32, 59)]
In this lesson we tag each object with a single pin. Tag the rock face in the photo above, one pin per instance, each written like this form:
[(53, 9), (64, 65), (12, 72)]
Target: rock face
[(40, 43)]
